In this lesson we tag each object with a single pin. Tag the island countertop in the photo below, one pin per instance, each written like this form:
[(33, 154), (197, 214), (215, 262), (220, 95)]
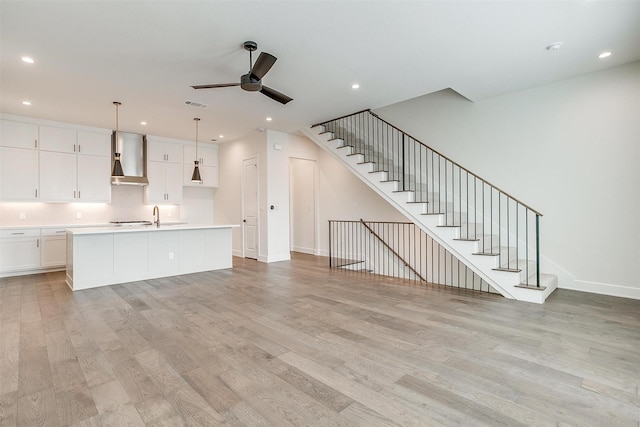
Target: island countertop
[(138, 228)]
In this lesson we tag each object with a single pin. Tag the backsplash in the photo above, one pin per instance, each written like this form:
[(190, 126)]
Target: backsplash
[(127, 203)]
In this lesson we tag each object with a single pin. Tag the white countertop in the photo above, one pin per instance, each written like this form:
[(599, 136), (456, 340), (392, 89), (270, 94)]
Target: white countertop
[(143, 228), (15, 227)]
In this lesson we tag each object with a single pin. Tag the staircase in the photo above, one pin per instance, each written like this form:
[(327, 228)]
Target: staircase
[(489, 231)]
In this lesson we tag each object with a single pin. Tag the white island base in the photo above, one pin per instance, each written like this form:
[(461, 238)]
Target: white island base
[(103, 256)]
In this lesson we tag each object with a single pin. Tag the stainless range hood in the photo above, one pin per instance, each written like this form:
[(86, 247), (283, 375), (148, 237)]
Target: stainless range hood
[(133, 156)]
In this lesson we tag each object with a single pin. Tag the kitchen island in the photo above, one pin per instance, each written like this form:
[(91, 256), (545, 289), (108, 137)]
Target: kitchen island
[(100, 256)]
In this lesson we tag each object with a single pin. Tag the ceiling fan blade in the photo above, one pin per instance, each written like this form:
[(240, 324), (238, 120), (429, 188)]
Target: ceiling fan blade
[(275, 95), (263, 65), (214, 86)]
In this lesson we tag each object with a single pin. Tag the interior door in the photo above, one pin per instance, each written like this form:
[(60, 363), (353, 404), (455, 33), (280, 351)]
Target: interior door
[(250, 207)]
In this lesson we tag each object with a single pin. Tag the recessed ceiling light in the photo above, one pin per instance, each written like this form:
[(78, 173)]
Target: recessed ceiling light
[(554, 46), (604, 55), (220, 136), (27, 59), (269, 119), (355, 86), (143, 123), (26, 102)]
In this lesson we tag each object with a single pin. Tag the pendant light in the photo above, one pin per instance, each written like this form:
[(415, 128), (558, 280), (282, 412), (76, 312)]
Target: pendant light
[(195, 177), (117, 165)]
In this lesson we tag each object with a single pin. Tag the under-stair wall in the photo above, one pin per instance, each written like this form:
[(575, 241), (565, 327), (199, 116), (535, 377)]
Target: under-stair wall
[(491, 232)]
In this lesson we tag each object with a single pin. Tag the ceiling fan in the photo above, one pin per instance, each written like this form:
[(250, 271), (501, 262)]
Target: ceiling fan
[(252, 81)]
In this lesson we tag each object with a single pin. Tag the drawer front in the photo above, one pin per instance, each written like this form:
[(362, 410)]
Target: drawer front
[(20, 232), (54, 232)]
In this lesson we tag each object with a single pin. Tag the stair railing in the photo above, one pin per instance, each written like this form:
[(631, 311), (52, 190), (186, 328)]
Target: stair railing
[(397, 249), (504, 226)]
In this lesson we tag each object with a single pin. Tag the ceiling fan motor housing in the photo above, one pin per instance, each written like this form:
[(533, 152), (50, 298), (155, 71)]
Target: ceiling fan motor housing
[(250, 84)]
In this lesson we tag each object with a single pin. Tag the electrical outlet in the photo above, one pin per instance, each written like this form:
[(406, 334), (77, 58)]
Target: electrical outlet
[(23, 215), (78, 215), (170, 255)]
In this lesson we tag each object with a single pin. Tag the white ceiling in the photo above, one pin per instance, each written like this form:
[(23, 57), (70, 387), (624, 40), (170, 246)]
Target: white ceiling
[(147, 54)]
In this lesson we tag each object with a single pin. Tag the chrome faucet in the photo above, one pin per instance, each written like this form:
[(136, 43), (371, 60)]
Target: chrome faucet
[(156, 221)]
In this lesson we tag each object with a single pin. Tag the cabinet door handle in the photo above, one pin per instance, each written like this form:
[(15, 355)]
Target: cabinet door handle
[(16, 233), (74, 148), (74, 194), (60, 231), (36, 193), (78, 194), (78, 148), (35, 143), (37, 243)]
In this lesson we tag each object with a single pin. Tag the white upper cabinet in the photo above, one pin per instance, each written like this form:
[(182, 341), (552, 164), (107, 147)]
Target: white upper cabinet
[(207, 155), (165, 183), (158, 151), (18, 174), (93, 178), (58, 139), (208, 158), (94, 144), (57, 177), (54, 163), (18, 134)]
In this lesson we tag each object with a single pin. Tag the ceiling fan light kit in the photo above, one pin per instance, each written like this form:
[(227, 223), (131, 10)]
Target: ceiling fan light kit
[(252, 81)]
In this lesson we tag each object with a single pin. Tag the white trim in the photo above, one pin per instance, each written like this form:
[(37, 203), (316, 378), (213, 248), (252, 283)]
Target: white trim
[(278, 258), (602, 289), (310, 251)]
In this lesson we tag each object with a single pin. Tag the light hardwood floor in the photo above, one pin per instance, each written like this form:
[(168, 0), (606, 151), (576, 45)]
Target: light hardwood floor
[(294, 343)]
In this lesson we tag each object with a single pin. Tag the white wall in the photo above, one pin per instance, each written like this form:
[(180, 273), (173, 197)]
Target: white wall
[(570, 149), (340, 195), (303, 187), (228, 197)]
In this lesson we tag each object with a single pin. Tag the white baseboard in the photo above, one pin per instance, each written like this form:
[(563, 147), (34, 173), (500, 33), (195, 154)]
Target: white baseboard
[(277, 258), (603, 289), (310, 251), (237, 252)]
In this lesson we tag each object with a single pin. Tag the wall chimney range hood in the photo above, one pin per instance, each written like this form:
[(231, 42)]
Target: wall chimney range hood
[(133, 156)]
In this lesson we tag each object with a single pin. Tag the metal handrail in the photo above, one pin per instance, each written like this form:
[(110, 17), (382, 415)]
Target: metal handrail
[(446, 187), (393, 251)]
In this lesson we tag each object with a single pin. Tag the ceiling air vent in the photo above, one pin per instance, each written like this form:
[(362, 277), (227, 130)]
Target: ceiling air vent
[(195, 104)]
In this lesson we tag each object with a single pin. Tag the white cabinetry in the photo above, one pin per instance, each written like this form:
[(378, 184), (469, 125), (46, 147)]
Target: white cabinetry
[(74, 166), (49, 163), (159, 151), (18, 174), (208, 157), (54, 248), (19, 249), (102, 257), (58, 139), (57, 176), (18, 134), (164, 171)]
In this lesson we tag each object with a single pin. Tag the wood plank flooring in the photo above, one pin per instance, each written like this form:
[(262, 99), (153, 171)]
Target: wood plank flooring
[(296, 344)]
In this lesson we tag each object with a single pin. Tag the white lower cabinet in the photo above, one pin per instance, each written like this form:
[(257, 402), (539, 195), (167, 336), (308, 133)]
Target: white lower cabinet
[(54, 248), (19, 250)]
